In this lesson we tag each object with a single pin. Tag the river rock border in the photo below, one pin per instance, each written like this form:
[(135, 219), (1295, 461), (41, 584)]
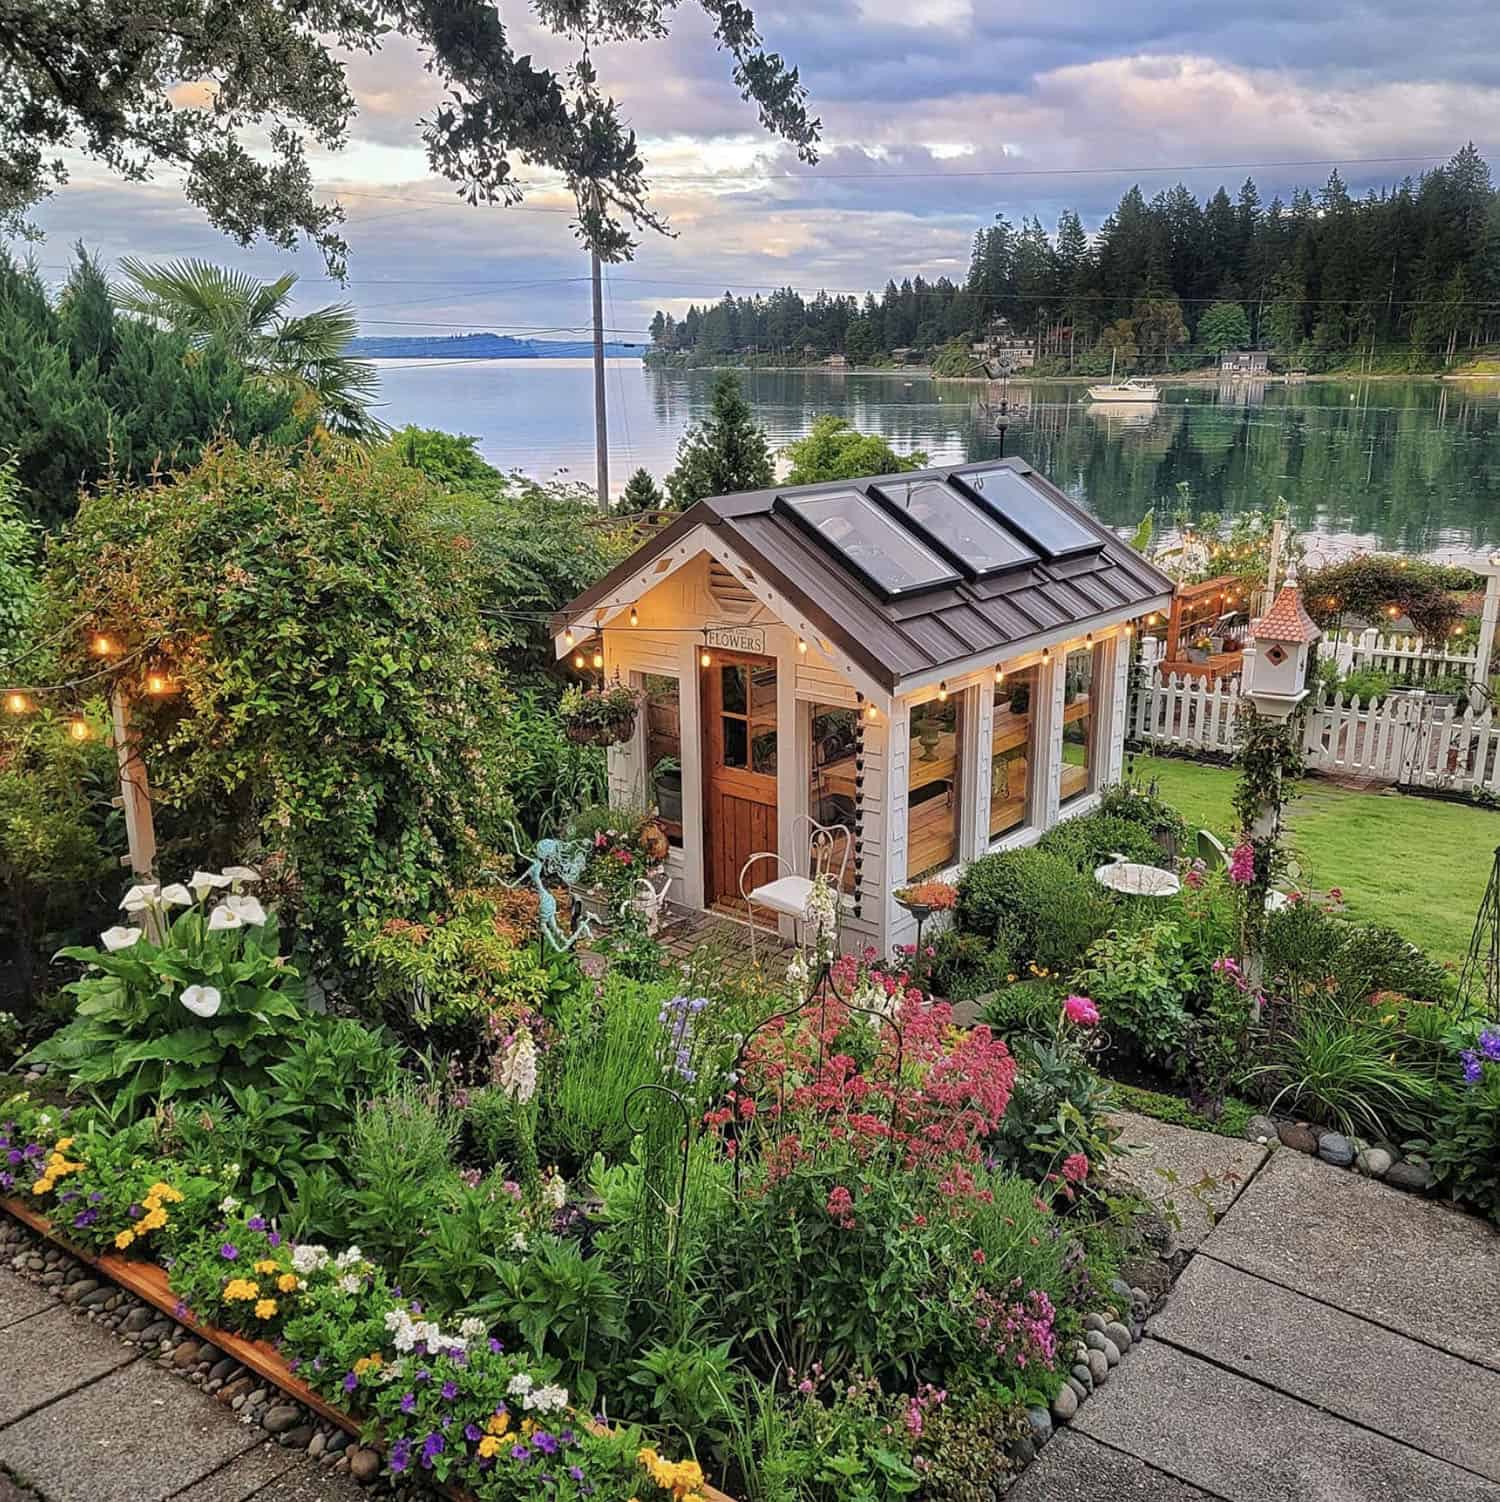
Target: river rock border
[(188, 1356), (1380, 1159)]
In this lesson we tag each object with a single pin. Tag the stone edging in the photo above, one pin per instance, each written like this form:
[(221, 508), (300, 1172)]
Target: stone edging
[(1381, 1160)]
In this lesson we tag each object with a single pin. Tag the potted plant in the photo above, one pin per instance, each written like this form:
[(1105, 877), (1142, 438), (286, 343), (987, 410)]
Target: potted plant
[(925, 898), (603, 716), (929, 732), (1199, 648), (666, 788)]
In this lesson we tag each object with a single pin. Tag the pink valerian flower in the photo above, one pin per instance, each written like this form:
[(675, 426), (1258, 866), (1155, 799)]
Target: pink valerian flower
[(1081, 1011), (1075, 1168), (1196, 875), (1242, 864), (840, 1206)]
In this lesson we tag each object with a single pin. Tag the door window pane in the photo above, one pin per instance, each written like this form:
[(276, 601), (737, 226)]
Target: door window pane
[(833, 775), (664, 750), (933, 772), (1012, 754), (1078, 723), (736, 741), (763, 749), (734, 689)]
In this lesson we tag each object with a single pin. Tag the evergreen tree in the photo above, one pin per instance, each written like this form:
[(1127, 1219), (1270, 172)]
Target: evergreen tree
[(834, 450), (642, 493), (1224, 326), (725, 454)]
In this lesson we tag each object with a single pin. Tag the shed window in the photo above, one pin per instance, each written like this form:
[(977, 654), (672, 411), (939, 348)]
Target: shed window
[(835, 773), (1080, 722), (664, 749), (934, 767), (1012, 750)]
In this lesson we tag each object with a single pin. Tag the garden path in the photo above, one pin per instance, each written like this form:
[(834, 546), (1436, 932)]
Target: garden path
[(1330, 1339), (84, 1417)]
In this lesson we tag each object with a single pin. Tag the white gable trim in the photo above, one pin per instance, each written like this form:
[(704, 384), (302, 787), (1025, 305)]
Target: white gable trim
[(610, 610)]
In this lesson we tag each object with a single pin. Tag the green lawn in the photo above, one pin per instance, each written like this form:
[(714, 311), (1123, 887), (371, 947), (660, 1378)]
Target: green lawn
[(1413, 863)]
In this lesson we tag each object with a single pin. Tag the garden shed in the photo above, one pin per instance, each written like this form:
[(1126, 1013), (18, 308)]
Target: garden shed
[(935, 662)]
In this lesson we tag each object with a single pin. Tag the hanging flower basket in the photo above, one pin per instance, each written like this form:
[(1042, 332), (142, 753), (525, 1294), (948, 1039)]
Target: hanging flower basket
[(599, 716)]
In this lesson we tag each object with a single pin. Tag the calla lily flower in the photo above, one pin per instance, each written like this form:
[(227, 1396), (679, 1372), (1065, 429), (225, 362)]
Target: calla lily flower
[(204, 882), (201, 1001), (176, 895), (246, 909), (139, 898), (242, 873), (222, 918), (119, 937)]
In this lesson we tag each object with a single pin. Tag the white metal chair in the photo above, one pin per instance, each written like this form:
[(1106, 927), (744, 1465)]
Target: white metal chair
[(787, 894)]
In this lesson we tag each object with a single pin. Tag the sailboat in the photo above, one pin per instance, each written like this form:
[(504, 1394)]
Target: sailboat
[(1129, 390)]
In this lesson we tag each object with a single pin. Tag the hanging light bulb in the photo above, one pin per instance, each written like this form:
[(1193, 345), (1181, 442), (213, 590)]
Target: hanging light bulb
[(568, 637), (705, 657), (942, 693), (1129, 629), (578, 661), (598, 659), (17, 703), (999, 675), (1088, 638), (158, 684), (1046, 655), (802, 646), (870, 711), (103, 646), (635, 619), (78, 728)]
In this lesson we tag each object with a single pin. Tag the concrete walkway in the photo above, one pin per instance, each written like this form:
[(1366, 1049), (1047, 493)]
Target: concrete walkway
[(1329, 1340), (84, 1417)]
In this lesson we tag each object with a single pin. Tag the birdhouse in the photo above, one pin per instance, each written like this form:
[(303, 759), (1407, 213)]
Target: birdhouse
[(1276, 672)]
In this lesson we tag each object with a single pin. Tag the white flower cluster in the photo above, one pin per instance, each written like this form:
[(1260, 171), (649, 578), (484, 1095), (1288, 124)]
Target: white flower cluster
[(822, 915), (555, 1192), (308, 1258), (406, 1332), (517, 1076), (472, 1328), (547, 1399)]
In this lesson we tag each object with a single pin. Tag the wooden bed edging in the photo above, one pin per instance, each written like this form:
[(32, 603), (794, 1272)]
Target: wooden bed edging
[(149, 1282)]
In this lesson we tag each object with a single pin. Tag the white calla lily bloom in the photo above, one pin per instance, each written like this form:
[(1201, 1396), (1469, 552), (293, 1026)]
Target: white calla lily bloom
[(139, 898), (119, 937), (246, 909), (201, 1001), (242, 873), (223, 918), (176, 895), (204, 882)]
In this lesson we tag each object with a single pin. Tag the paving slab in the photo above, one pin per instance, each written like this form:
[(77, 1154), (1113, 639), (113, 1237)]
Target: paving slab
[(245, 1476), (20, 1299), (49, 1355), (310, 1483), (1246, 1443), (137, 1435), (1425, 1398), (1190, 1176), (1073, 1466), (1420, 1268)]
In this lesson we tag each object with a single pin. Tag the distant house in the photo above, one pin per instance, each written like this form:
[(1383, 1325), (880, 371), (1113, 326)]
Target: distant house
[(902, 356), (836, 362), (1244, 362)]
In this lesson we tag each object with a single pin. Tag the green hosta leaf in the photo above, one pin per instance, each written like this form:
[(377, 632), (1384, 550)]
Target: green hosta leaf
[(187, 1045)]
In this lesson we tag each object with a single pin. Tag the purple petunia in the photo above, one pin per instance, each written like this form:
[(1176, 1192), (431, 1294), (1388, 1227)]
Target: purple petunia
[(400, 1456), (432, 1447), (520, 1453), (473, 1433), (85, 1218), (495, 1346), (13, 1157), (256, 1223), (423, 1375), (408, 1402), (449, 1390), (544, 1442), (274, 1238), (1473, 1069), (7, 1181), (229, 1251), (96, 1196), (576, 1472), (135, 1212), (350, 1382)]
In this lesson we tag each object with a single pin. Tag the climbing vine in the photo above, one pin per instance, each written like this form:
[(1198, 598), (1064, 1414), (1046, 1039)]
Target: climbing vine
[(1370, 586), (1269, 758)]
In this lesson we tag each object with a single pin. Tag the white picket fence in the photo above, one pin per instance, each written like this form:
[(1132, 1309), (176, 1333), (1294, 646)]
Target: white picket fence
[(1403, 738), (1403, 656)]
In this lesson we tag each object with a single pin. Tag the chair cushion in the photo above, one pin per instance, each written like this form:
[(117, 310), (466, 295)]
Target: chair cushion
[(787, 894)]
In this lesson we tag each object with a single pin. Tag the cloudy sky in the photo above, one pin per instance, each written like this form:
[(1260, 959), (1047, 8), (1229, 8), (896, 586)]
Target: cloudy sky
[(936, 115)]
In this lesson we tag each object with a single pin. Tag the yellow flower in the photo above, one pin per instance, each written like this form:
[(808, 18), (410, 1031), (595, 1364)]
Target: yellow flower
[(265, 1309), (265, 1265), (151, 1202), (489, 1446), (498, 1424), (124, 1239), (241, 1288), (42, 1186), (154, 1221), (287, 1282), (62, 1144), (367, 1363)]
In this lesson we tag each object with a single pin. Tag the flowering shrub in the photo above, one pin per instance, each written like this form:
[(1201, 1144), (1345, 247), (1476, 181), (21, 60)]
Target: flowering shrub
[(140, 1034), (625, 847), (1462, 1141)]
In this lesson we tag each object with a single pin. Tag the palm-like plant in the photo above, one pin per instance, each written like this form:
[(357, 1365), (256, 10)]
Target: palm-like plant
[(303, 354)]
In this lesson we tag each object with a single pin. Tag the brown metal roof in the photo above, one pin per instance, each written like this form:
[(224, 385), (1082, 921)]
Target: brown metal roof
[(921, 632)]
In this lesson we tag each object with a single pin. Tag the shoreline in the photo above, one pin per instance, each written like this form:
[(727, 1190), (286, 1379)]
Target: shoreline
[(1174, 378)]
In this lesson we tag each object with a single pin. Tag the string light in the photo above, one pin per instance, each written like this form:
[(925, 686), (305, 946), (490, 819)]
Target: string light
[(102, 646), (999, 675), (705, 657), (1088, 638), (578, 661), (943, 693), (568, 637), (802, 646), (1047, 655), (1129, 629), (598, 659), (78, 728), (870, 711), (17, 703), (635, 619)]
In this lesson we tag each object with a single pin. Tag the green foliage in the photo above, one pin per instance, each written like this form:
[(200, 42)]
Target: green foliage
[(1461, 1137), (1057, 1108), (1231, 1119), (1044, 909), (179, 1018), (335, 686), (1311, 951), (1139, 981), (641, 493), (1144, 805), (20, 583), (1224, 326), (691, 1389), (304, 356), (1090, 840), (1430, 595), (278, 85), (87, 393), (552, 778), (1025, 1009), (1368, 685), (724, 454), (450, 460), (835, 450)]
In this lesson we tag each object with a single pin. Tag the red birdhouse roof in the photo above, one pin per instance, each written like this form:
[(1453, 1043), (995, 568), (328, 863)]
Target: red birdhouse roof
[(1286, 620)]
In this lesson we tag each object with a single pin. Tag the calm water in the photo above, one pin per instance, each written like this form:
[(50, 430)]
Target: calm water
[(1408, 465)]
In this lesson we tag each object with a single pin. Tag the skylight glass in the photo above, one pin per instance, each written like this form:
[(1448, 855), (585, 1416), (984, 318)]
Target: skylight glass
[(1021, 505), (854, 527), (968, 534)]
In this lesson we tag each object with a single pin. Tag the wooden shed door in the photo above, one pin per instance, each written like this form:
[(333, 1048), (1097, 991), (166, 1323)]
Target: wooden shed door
[(739, 772)]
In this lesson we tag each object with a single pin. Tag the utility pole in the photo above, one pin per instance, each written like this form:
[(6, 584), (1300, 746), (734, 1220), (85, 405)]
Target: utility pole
[(601, 429)]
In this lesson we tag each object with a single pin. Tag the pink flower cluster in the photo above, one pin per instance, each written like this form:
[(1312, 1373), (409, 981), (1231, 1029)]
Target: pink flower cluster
[(1020, 1332), (840, 1206), (1242, 864), (917, 1405), (1081, 1011)]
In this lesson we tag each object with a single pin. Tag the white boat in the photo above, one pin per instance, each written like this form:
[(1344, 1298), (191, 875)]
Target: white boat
[(1130, 390)]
